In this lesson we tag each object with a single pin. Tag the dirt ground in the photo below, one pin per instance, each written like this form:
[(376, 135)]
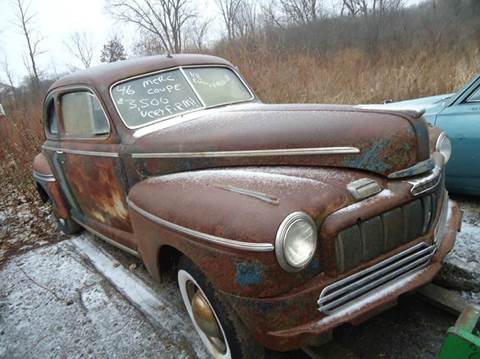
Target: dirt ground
[(55, 303)]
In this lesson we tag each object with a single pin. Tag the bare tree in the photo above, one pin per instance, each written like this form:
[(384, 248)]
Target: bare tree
[(7, 71), (196, 34), (25, 21), (247, 18), (240, 17), (113, 51), (370, 7), (300, 12), (81, 47), (165, 19), (229, 10)]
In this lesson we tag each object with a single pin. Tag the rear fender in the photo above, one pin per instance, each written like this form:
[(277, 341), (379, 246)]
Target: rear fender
[(47, 186)]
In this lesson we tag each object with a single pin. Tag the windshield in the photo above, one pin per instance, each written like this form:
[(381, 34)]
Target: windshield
[(158, 96)]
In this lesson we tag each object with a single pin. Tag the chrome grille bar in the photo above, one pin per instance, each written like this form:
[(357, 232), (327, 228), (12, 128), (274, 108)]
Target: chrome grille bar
[(347, 290)]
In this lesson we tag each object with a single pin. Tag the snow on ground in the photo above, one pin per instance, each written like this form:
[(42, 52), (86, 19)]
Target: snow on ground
[(25, 223), (53, 304), (461, 269)]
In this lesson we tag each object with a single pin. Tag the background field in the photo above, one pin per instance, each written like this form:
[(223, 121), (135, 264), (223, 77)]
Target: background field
[(331, 54)]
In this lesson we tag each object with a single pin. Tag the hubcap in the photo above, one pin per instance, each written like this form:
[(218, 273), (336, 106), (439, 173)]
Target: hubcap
[(203, 316)]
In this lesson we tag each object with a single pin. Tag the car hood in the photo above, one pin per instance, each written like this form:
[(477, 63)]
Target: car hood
[(430, 105), (384, 141)]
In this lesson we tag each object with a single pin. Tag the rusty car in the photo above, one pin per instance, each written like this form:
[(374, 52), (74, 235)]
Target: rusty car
[(280, 222)]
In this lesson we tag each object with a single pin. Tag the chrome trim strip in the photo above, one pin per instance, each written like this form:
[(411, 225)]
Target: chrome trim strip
[(415, 258), (245, 246), (42, 177), (418, 184), (419, 168), (246, 192), (107, 239), (252, 153), (82, 152)]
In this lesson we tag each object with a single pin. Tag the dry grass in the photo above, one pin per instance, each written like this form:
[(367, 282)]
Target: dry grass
[(22, 135), (352, 76), (349, 77)]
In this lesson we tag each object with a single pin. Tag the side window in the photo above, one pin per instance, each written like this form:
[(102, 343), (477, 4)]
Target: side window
[(475, 97), (52, 124), (83, 116)]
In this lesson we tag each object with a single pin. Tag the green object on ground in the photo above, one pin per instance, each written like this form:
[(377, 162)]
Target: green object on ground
[(463, 340)]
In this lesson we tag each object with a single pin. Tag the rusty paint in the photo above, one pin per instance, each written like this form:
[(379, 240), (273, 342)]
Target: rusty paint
[(279, 308), (248, 274)]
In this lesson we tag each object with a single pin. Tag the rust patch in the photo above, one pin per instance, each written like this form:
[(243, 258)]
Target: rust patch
[(96, 184)]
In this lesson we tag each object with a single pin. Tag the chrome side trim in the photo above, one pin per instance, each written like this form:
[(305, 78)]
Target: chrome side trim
[(108, 240), (81, 152), (246, 192), (419, 168), (347, 291), (245, 246), (252, 153), (42, 177)]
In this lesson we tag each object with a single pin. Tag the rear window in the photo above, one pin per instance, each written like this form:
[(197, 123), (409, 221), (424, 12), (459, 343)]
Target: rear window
[(162, 95)]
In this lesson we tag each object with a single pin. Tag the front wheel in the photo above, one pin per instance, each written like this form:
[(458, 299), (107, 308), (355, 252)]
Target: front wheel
[(219, 328)]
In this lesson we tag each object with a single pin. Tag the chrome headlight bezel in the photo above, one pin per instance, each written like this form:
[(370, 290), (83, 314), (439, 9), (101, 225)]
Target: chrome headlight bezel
[(282, 238), (444, 146)]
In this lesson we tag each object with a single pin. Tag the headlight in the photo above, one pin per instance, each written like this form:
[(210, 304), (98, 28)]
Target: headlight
[(296, 241), (444, 146)]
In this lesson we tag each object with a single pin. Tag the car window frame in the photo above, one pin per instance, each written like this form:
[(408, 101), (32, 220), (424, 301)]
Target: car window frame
[(83, 88), (180, 68), (461, 97), (474, 92), (51, 98)]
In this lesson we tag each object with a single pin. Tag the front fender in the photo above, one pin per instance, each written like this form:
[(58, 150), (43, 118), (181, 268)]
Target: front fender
[(247, 205)]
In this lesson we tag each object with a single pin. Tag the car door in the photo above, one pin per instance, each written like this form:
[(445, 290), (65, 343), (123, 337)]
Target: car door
[(461, 121), (90, 166)]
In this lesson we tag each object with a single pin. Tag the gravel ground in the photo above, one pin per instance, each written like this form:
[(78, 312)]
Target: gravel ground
[(25, 223)]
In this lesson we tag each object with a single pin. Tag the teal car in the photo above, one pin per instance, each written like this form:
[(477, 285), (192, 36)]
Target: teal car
[(458, 114)]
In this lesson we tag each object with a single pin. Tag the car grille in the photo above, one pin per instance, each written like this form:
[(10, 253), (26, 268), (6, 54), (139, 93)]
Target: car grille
[(346, 291), (371, 238)]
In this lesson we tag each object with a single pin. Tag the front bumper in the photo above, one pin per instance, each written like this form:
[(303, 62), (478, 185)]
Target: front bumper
[(264, 316)]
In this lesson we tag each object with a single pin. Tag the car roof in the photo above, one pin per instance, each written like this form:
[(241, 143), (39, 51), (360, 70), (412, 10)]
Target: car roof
[(103, 76)]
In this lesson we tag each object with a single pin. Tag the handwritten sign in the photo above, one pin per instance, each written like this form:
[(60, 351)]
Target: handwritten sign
[(154, 97), (217, 85)]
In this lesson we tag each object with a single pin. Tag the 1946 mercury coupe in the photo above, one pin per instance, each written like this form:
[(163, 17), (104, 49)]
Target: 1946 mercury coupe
[(282, 221)]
